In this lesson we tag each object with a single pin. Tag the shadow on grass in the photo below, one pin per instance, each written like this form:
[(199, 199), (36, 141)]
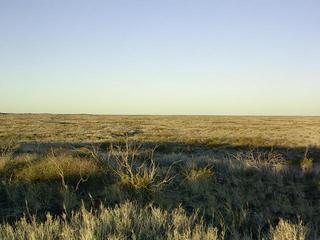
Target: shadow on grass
[(242, 199), (293, 154)]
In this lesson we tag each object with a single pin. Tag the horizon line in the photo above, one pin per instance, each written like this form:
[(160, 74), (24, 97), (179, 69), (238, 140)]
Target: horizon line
[(137, 114)]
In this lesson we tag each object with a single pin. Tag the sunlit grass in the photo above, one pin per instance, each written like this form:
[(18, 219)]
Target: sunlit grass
[(208, 181)]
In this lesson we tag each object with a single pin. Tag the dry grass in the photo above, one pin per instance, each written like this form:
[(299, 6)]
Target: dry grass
[(126, 221), (232, 199), (194, 173), (306, 164), (201, 182), (135, 171), (51, 167), (199, 173), (288, 231), (259, 131)]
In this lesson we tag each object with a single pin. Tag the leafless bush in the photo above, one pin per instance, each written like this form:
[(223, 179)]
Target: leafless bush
[(136, 168), (257, 158)]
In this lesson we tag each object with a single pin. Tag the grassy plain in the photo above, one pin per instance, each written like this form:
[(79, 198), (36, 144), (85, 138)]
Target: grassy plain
[(159, 177), (258, 131)]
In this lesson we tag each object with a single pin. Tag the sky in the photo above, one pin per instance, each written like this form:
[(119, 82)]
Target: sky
[(215, 57)]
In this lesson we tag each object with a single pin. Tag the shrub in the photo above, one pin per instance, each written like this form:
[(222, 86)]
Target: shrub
[(134, 172)]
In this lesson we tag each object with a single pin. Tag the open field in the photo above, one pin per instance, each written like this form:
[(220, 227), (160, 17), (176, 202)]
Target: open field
[(258, 131), (159, 177)]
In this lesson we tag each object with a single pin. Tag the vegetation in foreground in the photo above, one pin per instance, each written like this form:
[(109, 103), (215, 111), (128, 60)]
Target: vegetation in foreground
[(82, 177), (128, 221), (130, 191)]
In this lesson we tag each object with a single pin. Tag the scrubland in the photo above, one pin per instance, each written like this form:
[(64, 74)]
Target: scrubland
[(159, 177)]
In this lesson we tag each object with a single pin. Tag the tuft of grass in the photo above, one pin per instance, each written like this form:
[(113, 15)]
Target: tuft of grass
[(306, 164), (194, 171), (196, 174), (8, 146), (3, 162), (286, 230), (56, 167), (84, 152)]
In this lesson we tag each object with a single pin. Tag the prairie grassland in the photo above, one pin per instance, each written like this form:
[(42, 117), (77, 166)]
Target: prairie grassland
[(258, 131), (159, 177)]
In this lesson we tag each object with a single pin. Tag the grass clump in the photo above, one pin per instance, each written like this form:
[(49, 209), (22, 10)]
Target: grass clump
[(289, 231), (196, 174), (8, 146), (306, 164), (55, 166)]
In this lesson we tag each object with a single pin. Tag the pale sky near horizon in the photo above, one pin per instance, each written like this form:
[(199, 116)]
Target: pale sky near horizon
[(160, 57)]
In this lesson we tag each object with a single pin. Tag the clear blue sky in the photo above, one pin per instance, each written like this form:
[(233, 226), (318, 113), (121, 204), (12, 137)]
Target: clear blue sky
[(160, 57)]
